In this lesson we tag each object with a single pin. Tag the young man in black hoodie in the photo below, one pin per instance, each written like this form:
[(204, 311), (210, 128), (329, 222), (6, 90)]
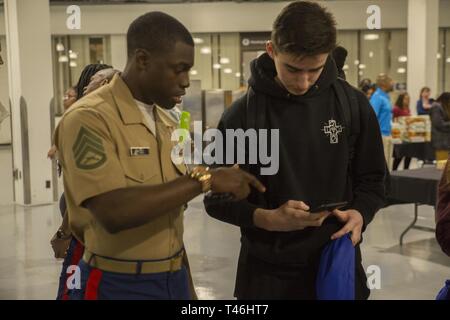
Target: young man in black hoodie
[(321, 160)]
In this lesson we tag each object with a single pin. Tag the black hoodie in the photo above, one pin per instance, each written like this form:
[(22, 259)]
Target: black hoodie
[(312, 169)]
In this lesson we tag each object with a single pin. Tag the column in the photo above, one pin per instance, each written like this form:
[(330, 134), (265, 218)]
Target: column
[(423, 32), (30, 78)]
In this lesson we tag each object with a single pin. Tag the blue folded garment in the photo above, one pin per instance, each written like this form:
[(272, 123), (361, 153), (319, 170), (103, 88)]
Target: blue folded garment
[(444, 293), (336, 276)]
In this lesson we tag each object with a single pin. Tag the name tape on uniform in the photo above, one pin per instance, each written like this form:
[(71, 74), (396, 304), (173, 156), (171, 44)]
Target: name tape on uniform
[(139, 151)]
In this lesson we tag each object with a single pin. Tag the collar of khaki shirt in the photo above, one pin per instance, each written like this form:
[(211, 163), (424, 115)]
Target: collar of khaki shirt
[(128, 109)]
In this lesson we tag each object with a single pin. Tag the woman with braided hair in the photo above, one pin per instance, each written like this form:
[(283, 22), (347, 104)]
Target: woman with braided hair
[(64, 244), (86, 75)]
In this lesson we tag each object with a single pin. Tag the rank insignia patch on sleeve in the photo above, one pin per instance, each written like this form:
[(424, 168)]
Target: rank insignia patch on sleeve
[(88, 150)]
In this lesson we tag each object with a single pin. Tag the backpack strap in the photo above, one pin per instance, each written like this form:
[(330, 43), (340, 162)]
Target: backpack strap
[(250, 107), (343, 105), (256, 110), (349, 108), (256, 119)]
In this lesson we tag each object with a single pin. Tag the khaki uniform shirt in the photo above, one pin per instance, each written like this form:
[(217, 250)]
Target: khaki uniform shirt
[(104, 144)]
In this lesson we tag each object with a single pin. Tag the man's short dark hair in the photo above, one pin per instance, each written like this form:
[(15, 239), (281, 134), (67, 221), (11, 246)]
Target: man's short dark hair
[(156, 32), (304, 28)]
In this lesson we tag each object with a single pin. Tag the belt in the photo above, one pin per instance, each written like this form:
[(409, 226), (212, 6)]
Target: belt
[(170, 264)]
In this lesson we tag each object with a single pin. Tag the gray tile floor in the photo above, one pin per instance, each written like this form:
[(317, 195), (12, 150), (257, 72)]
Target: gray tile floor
[(416, 271)]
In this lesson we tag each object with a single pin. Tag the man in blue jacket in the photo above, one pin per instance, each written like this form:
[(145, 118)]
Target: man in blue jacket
[(382, 106)]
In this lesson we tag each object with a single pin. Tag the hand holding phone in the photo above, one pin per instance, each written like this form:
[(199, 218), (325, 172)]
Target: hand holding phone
[(328, 207)]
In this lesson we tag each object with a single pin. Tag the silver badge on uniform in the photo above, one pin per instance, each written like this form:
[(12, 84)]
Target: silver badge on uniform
[(139, 151)]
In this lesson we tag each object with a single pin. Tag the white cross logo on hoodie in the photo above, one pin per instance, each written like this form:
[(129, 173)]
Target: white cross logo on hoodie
[(333, 130)]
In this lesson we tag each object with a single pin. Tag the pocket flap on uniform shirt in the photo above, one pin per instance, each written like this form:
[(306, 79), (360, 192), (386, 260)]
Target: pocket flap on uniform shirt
[(138, 169)]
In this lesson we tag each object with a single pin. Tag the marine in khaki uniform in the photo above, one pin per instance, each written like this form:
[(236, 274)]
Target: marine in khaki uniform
[(124, 195)]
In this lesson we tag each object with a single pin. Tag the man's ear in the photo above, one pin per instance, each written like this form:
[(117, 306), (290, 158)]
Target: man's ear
[(104, 81), (141, 57), (270, 49)]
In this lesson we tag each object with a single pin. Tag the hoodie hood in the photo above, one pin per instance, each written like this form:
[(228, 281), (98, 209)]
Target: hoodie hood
[(263, 74)]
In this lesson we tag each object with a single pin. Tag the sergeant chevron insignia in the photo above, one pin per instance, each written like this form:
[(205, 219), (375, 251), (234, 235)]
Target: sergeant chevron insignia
[(88, 150)]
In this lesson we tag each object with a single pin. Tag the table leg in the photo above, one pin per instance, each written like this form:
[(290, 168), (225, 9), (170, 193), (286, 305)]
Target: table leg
[(416, 214)]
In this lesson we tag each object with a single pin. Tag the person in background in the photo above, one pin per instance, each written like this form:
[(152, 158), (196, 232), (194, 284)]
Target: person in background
[(70, 96), (381, 104), (87, 75), (75, 92), (367, 87), (401, 109), (440, 126), (99, 79), (425, 102), (64, 245), (339, 55)]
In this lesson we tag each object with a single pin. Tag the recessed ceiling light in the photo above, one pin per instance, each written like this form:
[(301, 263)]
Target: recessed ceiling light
[(59, 47), (205, 50), (198, 40), (73, 54), (371, 36)]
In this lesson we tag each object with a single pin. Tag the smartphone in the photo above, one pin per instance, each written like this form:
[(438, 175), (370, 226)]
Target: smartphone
[(328, 207)]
